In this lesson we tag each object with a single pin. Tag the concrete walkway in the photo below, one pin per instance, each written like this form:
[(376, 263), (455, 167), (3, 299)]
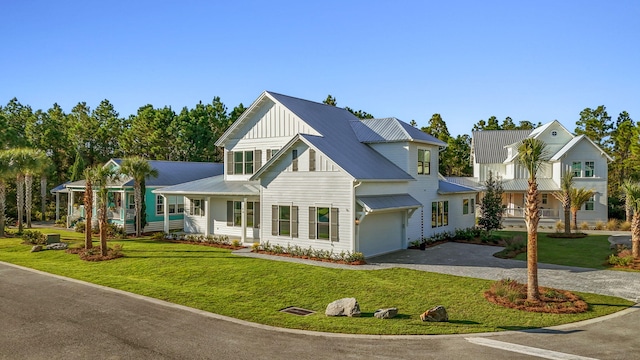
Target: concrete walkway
[(477, 261)]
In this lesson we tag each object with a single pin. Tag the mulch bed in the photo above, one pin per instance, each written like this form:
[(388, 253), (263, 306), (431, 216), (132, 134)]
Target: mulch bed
[(94, 254), (559, 235), (222, 246), (551, 301), (358, 262)]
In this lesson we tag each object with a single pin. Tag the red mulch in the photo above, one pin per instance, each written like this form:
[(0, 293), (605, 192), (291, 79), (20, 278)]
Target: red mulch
[(358, 262), (551, 301)]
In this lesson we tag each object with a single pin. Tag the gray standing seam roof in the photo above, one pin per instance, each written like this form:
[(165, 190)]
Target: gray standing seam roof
[(339, 141), (388, 202), (390, 130), (214, 185), (445, 187), (177, 172), (488, 145)]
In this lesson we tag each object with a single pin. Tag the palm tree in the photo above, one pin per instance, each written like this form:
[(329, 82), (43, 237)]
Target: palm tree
[(89, 176), (139, 169), (20, 162), (564, 196), (531, 153), (578, 198), (632, 193), (37, 164), (4, 175), (103, 176)]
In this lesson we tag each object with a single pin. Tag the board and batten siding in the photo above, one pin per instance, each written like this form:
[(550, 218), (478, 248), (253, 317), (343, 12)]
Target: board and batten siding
[(273, 120), (306, 189)]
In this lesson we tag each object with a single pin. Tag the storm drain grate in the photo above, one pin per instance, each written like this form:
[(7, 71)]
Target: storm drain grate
[(297, 311)]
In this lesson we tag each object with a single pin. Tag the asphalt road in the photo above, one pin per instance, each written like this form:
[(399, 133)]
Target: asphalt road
[(47, 317)]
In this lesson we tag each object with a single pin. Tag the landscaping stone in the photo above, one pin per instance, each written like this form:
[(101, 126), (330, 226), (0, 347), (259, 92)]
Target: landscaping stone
[(343, 307), (36, 248), (57, 246), (436, 314), (387, 313)]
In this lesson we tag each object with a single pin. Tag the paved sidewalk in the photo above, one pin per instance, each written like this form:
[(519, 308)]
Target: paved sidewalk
[(478, 261)]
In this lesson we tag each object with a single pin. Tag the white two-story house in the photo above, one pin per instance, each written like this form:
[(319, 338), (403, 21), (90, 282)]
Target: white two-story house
[(497, 151), (303, 173)]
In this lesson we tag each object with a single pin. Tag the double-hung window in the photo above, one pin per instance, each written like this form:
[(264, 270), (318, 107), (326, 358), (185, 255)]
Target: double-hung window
[(576, 168), (424, 162), (284, 220), (589, 169), (234, 214), (243, 162), (197, 207), (159, 205), (439, 213), (323, 223), (590, 204)]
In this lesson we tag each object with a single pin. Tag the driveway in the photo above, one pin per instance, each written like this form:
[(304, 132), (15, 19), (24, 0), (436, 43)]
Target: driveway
[(478, 261)]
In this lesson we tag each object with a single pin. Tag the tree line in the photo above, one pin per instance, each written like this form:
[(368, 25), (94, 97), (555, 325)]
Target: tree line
[(85, 137)]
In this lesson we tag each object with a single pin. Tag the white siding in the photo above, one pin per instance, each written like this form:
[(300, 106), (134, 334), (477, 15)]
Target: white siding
[(218, 211), (305, 189), (194, 224), (398, 153)]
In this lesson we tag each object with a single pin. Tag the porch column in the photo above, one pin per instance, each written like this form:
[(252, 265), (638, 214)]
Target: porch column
[(243, 214), (69, 206), (57, 205), (165, 222), (207, 214)]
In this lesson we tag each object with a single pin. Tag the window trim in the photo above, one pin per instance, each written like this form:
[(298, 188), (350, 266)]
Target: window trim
[(200, 208), (426, 165), (248, 161), (576, 172), (276, 221), (439, 213), (160, 205), (592, 170), (333, 226), (592, 202)]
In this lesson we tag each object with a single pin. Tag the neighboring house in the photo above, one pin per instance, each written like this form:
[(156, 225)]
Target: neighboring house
[(121, 195), (497, 151), (304, 173)]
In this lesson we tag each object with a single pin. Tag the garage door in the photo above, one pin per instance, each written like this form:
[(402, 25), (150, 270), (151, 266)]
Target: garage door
[(381, 233)]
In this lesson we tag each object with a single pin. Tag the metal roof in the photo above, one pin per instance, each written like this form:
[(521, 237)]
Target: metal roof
[(339, 141), (489, 145), (214, 185), (445, 187), (544, 184), (391, 130), (372, 203)]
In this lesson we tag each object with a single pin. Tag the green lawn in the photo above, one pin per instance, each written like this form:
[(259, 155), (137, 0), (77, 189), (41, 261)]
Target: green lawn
[(590, 252), (215, 280)]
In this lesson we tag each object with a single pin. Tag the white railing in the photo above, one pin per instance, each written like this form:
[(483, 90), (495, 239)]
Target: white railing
[(519, 213)]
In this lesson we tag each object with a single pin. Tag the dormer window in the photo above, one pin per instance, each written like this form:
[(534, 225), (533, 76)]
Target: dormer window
[(424, 162)]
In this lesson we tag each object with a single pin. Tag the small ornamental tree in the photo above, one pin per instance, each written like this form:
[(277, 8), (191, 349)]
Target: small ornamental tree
[(491, 204)]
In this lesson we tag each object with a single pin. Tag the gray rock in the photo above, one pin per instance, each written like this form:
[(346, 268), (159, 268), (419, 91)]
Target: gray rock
[(436, 314), (343, 307), (387, 313), (57, 246), (36, 248)]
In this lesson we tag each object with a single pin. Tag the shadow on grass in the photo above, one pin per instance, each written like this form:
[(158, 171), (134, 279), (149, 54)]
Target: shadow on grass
[(464, 322)]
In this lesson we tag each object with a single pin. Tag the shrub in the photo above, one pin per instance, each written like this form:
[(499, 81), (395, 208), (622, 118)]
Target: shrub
[(624, 258), (80, 226), (34, 237), (600, 225), (62, 222), (559, 226), (235, 243), (625, 226), (158, 236), (584, 225), (612, 224)]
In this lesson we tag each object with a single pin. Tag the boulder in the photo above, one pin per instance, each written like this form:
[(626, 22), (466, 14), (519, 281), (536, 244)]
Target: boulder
[(57, 246), (436, 314), (343, 307), (36, 248), (387, 313)]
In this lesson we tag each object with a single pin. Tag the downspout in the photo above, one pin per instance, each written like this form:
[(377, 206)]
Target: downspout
[(356, 231)]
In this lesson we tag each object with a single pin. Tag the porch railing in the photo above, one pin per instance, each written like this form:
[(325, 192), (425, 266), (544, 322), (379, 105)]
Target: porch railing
[(519, 213)]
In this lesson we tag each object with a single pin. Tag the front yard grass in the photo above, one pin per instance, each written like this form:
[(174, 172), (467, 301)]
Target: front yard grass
[(251, 289), (589, 252)]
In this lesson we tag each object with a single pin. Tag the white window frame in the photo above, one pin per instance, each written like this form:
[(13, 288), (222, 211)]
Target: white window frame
[(576, 173), (592, 170), (160, 205), (426, 165), (590, 205), (196, 210)]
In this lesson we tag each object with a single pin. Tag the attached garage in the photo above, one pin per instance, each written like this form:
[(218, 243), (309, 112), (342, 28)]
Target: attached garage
[(381, 233), (382, 221)]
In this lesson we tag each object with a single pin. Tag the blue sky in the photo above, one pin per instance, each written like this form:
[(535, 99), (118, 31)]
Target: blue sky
[(467, 60)]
